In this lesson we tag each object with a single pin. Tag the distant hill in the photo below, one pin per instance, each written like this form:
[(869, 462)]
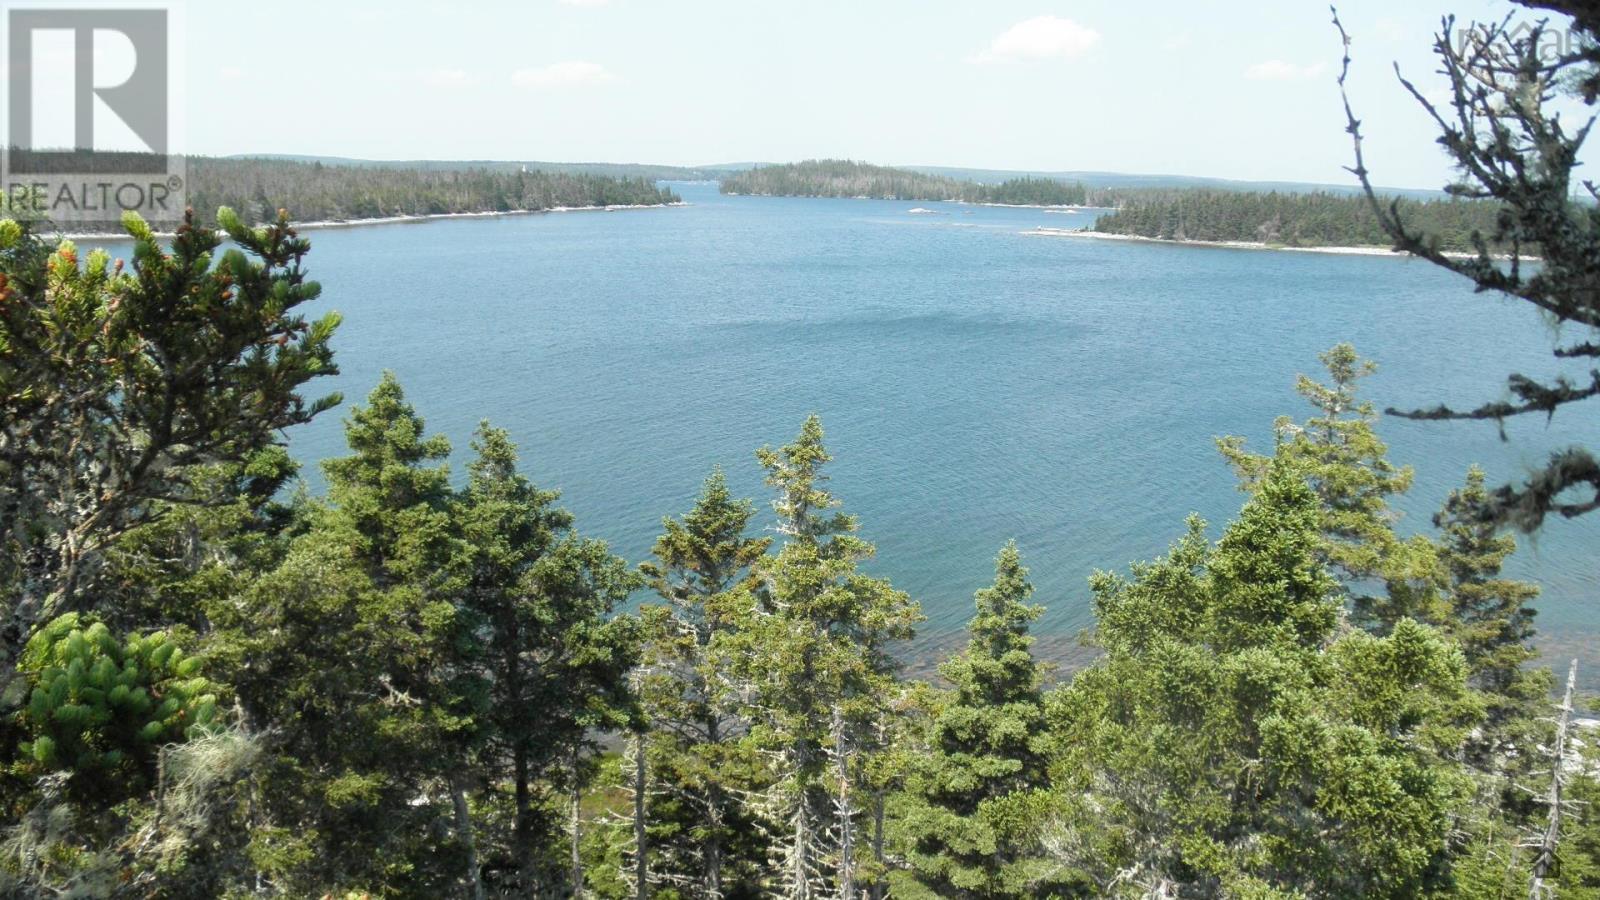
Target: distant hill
[(608, 170), (1126, 181), (717, 171), (847, 178)]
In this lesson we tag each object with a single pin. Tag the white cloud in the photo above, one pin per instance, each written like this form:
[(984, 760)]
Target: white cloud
[(1042, 37), (1278, 70), (448, 78), (230, 73), (562, 74), (1177, 42), (584, 2)]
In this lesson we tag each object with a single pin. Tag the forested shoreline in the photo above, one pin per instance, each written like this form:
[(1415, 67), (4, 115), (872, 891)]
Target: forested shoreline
[(1314, 219), (1309, 219), (314, 192), (625, 171), (846, 178)]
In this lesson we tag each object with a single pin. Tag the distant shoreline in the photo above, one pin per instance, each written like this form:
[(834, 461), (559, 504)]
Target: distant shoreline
[(1048, 207), (394, 220), (1360, 250)]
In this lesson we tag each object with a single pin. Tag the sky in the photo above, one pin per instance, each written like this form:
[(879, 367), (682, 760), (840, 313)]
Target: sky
[(1244, 91)]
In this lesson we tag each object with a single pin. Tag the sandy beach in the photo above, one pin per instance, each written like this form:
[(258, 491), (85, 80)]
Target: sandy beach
[(1240, 245), (1231, 245)]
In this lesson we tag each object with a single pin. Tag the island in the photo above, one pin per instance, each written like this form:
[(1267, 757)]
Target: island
[(847, 178), (1295, 220)]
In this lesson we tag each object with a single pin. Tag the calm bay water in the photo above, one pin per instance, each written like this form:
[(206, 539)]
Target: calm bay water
[(976, 384)]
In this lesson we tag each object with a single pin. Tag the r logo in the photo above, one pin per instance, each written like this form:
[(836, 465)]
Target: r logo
[(140, 101), (89, 112)]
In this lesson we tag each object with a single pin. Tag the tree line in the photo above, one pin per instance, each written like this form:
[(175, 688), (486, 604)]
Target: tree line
[(257, 188), (1310, 219), (1314, 219), (420, 686), (846, 178), (647, 171)]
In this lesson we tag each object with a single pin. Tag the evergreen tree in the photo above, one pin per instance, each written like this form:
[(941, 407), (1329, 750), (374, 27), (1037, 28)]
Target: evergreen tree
[(141, 411), (701, 841), (170, 571), (1347, 465), (810, 663), (348, 646), (1578, 869), (553, 661), (1231, 744), (117, 387), (388, 502), (1489, 615), (986, 759)]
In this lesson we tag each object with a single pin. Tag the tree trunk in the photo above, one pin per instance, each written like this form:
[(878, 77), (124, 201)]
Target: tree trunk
[(1537, 890), (24, 618), (14, 636), (845, 811), (641, 862), (458, 794), (800, 875), (577, 827), (713, 845), (522, 830), (878, 884)]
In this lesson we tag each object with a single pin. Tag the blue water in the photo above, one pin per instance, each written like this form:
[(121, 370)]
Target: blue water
[(976, 383)]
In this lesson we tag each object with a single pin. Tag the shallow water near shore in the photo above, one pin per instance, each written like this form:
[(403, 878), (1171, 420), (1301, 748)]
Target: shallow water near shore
[(976, 383)]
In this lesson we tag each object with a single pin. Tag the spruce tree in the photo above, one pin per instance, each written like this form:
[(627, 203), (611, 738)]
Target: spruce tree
[(553, 660), (984, 754), (1489, 614), (701, 840), (1233, 742), (388, 498), (810, 665), (1347, 464), (349, 647)]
